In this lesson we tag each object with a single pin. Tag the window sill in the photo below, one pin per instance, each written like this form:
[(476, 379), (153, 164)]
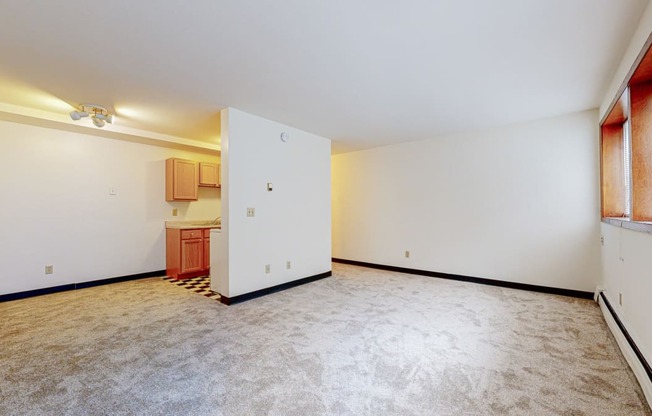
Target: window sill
[(644, 227)]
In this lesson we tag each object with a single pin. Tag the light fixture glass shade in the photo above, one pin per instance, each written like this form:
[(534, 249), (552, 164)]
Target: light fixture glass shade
[(105, 117), (98, 122), (76, 115)]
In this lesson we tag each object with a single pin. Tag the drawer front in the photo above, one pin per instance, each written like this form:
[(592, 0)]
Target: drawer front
[(188, 234), (207, 233)]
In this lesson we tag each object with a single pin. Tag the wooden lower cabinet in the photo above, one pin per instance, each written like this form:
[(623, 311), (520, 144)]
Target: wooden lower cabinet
[(192, 255), (187, 252)]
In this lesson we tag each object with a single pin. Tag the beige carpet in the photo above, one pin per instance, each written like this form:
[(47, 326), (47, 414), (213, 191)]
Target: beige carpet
[(364, 342)]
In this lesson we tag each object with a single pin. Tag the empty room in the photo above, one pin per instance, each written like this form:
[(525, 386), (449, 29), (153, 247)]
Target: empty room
[(326, 208)]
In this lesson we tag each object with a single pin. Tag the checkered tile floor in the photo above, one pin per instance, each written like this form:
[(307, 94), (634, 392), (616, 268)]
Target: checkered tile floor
[(201, 285)]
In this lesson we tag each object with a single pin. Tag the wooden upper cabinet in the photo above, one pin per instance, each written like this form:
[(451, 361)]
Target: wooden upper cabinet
[(181, 180), (209, 174)]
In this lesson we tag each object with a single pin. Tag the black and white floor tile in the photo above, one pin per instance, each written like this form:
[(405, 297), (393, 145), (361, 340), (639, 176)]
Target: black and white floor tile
[(200, 285)]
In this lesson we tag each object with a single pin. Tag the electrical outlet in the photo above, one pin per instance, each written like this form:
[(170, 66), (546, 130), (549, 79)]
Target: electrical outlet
[(288, 265), (602, 239), (49, 269), (175, 212), (620, 299), (407, 254), (251, 212), (268, 268)]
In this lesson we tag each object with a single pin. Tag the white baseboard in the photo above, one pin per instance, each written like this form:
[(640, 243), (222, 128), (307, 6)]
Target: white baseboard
[(628, 352)]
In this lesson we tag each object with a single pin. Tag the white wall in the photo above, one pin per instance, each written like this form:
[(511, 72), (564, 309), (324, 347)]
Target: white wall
[(626, 260), (292, 223), (629, 56), (518, 203), (627, 269), (56, 208)]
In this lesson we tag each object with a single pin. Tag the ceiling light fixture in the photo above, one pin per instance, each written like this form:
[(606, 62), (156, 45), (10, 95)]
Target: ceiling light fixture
[(99, 115), (98, 123)]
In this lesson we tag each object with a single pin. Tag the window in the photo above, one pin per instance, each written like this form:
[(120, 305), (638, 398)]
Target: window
[(627, 168), (626, 148), (615, 172)]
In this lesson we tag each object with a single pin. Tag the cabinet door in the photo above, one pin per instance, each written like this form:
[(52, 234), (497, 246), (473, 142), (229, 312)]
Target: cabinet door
[(192, 255), (209, 174), (182, 180)]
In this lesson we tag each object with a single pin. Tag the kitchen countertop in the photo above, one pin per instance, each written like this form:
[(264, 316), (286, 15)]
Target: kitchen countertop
[(191, 224)]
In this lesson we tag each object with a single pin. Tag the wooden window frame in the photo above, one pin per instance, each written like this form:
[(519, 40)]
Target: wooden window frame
[(633, 104)]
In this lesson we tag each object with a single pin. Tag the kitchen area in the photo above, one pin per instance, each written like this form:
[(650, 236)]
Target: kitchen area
[(187, 242), (254, 217)]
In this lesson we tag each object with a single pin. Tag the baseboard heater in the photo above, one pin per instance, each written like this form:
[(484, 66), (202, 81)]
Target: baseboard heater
[(630, 350)]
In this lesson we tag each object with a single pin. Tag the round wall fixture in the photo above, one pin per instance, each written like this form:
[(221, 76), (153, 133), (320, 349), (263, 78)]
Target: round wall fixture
[(284, 137)]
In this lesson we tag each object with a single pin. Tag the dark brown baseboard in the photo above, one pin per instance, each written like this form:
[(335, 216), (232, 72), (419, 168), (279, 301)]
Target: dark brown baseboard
[(479, 280), (262, 292), (75, 286)]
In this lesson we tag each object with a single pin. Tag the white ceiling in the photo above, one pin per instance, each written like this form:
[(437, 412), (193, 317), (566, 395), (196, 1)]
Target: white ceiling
[(364, 73)]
